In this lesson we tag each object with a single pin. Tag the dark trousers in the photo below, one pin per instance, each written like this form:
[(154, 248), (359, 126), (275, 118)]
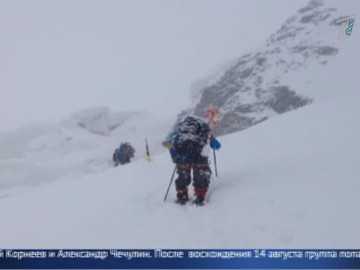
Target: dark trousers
[(201, 175), (189, 160)]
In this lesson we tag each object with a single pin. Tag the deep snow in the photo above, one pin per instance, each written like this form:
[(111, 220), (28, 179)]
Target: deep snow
[(290, 182)]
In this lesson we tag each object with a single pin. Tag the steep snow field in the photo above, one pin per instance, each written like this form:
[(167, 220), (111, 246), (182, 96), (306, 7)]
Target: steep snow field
[(289, 182), (292, 181)]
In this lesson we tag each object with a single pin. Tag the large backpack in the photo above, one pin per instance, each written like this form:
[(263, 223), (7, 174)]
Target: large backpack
[(127, 149), (191, 135)]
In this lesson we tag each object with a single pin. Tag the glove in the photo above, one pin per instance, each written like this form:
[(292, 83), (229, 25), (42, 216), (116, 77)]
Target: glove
[(214, 143), (167, 144)]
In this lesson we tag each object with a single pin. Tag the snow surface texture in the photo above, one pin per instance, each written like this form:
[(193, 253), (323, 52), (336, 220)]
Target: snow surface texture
[(260, 84), (291, 181)]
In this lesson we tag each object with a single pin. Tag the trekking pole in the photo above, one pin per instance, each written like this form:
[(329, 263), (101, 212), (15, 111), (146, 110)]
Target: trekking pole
[(172, 177), (211, 114), (215, 163)]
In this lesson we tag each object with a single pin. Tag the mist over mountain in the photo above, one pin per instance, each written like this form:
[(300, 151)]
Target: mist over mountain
[(290, 182), (256, 86)]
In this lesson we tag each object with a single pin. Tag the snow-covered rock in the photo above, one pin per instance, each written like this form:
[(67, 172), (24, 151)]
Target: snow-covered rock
[(257, 86)]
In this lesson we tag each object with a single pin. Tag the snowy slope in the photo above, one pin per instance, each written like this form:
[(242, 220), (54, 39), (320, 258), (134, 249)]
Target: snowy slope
[(290, 182), (83, 143)]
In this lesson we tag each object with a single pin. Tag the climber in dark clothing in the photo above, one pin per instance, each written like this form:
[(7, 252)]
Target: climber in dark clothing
[(123, 154), (187, 142)]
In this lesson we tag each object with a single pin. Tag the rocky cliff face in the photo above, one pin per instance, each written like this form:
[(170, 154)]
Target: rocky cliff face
[(254, 88)]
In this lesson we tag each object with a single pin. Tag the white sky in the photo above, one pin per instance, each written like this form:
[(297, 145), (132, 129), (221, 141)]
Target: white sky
[(61, 56)]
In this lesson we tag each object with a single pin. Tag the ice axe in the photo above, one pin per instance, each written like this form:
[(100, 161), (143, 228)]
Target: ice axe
[(147, 156)]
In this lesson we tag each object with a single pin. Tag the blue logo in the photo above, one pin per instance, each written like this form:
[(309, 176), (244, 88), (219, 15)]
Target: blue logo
[(350, 24), (347, 25)]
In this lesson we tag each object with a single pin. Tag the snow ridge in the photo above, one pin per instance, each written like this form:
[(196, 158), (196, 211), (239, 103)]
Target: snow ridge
[(256, 88)]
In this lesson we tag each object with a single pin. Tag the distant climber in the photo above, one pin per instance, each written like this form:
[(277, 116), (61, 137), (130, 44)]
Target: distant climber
[(123, 154)]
